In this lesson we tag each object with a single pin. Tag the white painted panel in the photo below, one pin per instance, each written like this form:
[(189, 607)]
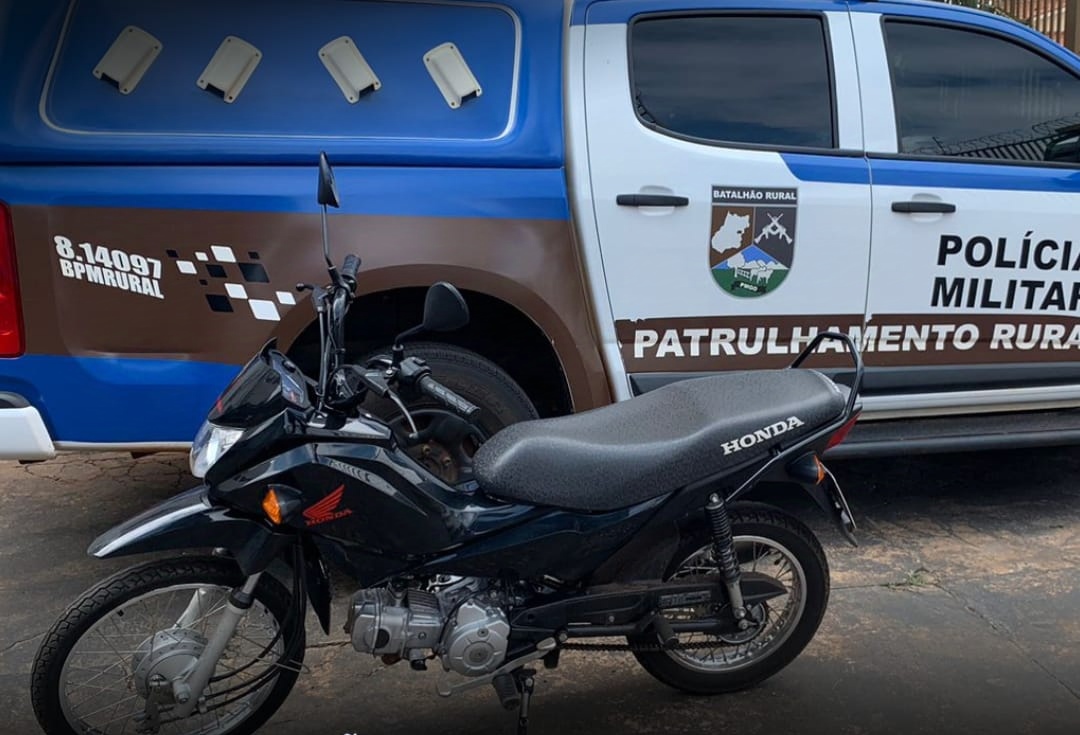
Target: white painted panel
[(875, 83), (849, 113)]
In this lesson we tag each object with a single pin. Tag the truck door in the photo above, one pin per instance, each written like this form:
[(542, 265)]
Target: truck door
[(975, 269), (731, 197)]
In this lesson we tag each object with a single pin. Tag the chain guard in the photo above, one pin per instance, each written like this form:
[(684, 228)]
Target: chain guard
[(639, 647), (758, 616)]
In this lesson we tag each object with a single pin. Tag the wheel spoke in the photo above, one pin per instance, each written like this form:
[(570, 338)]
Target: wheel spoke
[(737, 650), (97, 684)]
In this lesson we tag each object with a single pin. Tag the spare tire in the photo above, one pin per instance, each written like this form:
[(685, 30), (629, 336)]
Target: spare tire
[(447, 452)]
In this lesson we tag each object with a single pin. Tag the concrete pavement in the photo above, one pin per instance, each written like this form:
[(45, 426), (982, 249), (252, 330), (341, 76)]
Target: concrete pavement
[(959, 613)]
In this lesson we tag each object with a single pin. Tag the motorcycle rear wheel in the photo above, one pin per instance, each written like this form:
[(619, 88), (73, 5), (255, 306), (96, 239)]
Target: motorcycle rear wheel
[(766, 540), (90, 676)]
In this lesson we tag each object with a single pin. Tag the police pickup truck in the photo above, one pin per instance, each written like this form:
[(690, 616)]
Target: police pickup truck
[(629, 192)]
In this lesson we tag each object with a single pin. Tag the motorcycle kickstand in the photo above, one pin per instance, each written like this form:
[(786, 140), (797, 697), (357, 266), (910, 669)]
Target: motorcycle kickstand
[(526, 681)]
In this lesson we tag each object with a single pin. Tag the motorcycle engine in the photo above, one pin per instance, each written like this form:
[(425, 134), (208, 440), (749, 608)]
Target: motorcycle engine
[(410, 624), (476, 644)]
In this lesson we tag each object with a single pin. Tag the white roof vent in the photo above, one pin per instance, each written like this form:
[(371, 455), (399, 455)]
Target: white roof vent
[(348, 68), (130, 55), (451, 74), (229, 70)]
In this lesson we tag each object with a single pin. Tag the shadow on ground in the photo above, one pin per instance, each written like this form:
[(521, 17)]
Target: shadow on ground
[(960, 612)]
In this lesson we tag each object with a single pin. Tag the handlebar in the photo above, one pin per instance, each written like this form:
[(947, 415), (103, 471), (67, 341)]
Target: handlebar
[(439, 392), (349, 270)]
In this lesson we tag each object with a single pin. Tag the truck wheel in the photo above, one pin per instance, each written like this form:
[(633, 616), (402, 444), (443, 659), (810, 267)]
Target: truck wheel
[(450, 441)]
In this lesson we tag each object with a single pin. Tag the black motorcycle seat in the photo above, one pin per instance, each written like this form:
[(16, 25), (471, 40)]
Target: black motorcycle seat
[(652, 445)]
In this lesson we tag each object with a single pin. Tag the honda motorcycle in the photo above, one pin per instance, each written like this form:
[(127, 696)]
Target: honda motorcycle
[(624, 522)]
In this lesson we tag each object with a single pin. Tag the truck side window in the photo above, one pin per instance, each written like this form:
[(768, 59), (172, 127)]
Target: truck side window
[(761, 80), (964, 93)]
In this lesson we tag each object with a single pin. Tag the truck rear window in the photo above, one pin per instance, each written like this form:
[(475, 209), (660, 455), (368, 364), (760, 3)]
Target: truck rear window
[(292, 90), (761, 80)]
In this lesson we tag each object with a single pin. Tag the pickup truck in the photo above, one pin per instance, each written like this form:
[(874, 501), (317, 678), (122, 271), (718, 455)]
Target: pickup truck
[(628, 192)]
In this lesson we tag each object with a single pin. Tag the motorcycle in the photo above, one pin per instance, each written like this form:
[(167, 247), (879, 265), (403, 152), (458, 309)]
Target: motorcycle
[(624, 522)]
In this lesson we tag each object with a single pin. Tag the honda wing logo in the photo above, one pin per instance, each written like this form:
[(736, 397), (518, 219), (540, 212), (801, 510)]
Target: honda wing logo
[(327, 509), (763, 434)]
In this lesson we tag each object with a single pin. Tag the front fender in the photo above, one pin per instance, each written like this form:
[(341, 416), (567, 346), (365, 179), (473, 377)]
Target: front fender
[(190, 521)]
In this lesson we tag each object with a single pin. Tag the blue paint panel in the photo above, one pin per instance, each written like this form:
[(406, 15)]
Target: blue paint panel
[(934, 174), (290, 93), (108, 399), (828, 169), (621, 11), (433, 192), (950, 175), (282, 122)]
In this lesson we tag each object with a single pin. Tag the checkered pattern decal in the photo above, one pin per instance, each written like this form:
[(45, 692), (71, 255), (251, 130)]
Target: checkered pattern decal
[(234, 283)]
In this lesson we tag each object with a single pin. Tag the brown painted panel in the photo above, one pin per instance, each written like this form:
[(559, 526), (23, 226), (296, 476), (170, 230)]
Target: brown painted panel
[(194, 309), (890, 340)]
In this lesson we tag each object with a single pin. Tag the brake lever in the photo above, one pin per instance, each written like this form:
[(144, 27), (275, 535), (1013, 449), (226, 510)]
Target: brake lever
[(377, 382)]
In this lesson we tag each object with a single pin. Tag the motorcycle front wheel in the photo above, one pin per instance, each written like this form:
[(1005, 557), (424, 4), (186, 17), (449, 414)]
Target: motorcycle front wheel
[(766, 541), (105, 666)]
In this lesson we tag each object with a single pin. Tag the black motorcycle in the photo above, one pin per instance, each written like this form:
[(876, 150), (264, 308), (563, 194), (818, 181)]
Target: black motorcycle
[(622, 522)]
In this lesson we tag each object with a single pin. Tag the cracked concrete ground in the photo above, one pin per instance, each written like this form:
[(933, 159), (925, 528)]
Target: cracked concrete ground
[(959, 613)]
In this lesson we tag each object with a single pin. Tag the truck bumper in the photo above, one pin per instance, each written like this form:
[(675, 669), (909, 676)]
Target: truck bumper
[(22, 431)]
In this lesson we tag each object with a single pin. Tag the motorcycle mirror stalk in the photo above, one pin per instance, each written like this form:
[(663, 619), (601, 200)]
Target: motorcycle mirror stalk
[(328, 197)]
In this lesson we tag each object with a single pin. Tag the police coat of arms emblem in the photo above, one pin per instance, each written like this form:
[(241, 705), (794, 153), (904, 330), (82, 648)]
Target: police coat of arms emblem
[(752, 238)]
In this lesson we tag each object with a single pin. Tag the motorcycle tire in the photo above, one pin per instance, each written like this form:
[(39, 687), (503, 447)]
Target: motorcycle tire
[(48, 688), (797, 545)]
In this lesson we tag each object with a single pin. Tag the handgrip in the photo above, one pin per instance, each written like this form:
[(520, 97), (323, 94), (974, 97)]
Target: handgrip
[(350, 269), (917, 207), (651, 200), (435, 390)]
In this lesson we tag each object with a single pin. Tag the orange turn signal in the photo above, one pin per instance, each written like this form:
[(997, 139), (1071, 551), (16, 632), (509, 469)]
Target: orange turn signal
[(271, 507), (820, 470)]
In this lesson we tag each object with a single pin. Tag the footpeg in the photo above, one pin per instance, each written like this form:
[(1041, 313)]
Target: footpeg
[(507, 691)]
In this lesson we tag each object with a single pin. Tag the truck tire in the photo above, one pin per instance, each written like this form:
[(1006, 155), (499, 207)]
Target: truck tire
[(501, 400)]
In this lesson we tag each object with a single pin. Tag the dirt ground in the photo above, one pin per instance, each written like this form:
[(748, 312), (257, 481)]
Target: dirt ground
[(959, 612)]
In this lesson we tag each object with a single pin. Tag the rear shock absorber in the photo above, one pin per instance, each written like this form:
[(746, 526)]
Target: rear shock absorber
[(724, 551)]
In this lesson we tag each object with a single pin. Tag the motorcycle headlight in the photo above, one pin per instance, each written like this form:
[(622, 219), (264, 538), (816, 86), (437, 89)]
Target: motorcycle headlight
[(209, 446)]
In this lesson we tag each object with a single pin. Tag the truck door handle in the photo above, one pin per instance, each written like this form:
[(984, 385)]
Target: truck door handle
[(651, 200), (923, 207)]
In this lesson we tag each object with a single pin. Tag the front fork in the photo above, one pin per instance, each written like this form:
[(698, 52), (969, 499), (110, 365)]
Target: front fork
[(724, 551), (188, 690)]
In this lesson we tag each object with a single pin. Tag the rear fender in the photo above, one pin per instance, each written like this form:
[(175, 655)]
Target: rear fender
[(809, 473)]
